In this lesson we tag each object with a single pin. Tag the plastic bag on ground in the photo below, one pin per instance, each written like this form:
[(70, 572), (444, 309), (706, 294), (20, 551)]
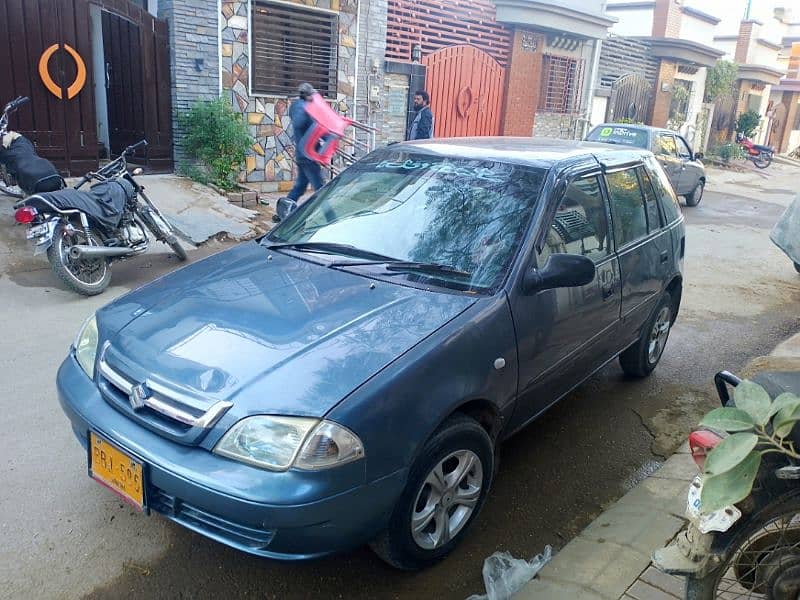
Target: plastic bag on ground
[(504, 575)]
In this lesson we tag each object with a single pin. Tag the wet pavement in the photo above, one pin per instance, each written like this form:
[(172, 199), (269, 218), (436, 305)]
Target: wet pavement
[(62, 536)]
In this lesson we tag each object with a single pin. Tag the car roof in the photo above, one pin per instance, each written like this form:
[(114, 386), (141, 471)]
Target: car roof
[(531, 151)]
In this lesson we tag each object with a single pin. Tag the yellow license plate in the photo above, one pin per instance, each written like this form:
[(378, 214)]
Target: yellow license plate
[(116, 470)]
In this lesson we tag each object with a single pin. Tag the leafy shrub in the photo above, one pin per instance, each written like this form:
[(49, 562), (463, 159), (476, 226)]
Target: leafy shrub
[(748, 122), (727, 152), (215, 136)]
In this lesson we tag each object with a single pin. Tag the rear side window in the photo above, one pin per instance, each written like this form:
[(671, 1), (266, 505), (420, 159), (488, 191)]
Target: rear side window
[(626, 136), (663, 189), (627, 207), (665, 144)]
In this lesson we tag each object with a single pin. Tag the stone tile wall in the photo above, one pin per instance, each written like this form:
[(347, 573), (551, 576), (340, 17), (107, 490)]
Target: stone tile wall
[(270, 162)]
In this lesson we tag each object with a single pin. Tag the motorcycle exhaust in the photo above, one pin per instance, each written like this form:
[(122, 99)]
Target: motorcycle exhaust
[(81, 251)]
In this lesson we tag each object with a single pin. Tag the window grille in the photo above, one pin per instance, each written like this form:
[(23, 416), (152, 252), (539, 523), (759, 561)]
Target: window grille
[(562, 79), (291, 45)]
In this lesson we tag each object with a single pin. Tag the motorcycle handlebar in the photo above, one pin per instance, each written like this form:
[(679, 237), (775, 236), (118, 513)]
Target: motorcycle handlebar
[(135, 147), (16, 103)]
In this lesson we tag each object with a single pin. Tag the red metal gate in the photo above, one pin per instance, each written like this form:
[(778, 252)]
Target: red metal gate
[(466, 87), (46, 53)]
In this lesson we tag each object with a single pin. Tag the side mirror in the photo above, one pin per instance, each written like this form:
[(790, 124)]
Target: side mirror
[(699, 156), (560, 270)]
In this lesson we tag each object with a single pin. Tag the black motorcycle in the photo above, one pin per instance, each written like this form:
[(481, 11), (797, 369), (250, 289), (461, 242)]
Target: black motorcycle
[(84, 231), (22, 171)]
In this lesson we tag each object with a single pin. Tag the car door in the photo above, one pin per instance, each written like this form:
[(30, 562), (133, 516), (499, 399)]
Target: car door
[(666, 150), (565, 334), (691, 170), (644, 248)]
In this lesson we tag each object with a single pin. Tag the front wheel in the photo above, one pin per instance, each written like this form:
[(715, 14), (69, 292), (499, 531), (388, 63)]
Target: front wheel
[(7, 187), (763, 562), (640, 359), (87, 276), (446, 488), (694, 198), (763, 160), (163, 232)]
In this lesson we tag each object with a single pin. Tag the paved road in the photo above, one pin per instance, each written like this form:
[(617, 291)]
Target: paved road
[(62, 536)]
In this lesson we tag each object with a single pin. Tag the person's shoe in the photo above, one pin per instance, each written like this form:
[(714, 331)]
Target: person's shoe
[(284, 207)]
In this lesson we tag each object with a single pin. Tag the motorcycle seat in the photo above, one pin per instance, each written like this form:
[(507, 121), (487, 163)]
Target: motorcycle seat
[(761, 148), (103, 203)]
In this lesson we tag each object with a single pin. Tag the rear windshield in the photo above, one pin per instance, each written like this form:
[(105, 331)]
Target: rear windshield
[(614, 134)]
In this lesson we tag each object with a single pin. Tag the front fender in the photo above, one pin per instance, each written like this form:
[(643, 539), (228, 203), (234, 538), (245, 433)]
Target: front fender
[(398, 409)]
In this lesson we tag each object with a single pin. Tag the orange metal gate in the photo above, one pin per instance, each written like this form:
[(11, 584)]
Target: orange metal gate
[(466, 87)]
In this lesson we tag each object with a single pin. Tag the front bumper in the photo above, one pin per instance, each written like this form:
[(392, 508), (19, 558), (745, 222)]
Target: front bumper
[(290, 515)]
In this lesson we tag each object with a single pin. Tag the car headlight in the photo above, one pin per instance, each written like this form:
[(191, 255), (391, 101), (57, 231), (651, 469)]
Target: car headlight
[(86, 346), (277, 443)]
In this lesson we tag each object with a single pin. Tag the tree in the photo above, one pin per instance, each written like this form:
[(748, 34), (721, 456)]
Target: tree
[(720, 80), (747, 123)]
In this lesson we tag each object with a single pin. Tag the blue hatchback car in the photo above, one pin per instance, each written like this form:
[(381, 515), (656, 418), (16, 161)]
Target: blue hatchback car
[(346, 379)]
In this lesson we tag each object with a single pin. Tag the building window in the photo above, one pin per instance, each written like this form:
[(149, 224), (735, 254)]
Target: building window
[(561, 84), (291, 45)]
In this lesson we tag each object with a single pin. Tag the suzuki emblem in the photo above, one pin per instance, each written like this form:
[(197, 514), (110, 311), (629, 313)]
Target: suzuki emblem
[(137, 396)]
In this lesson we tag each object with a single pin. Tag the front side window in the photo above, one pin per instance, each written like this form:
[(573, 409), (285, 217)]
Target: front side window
[(663, 189), (683, 149), (467, 214), (627, 206), (580, 225), (665, 144), (292, 44)]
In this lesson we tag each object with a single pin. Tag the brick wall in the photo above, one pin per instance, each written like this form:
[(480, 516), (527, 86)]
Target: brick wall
[(745, 41), (662, 99), (522, 83), (667, 18), (193, 37)]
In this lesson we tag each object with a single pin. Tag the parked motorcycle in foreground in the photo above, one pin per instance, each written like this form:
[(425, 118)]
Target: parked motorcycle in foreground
[(84, 231), (760, 155), (22, 171), (743, 536)]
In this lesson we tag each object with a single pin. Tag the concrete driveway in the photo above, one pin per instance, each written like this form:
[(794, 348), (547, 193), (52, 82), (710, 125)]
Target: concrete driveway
[(63, 536)]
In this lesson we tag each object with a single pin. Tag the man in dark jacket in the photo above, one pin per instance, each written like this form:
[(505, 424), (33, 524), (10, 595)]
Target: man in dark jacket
[(422, 125), (308, 171)]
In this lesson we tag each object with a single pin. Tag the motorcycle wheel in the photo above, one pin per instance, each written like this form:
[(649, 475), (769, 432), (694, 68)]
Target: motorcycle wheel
[(6, 188), (88, 277), (162, 230), (763, 160), (763, 562)]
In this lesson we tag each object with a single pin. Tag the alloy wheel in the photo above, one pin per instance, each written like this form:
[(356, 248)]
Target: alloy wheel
[(659, 335)]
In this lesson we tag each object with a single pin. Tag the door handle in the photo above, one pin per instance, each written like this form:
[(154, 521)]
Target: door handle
[(608, 292), (664, 256)]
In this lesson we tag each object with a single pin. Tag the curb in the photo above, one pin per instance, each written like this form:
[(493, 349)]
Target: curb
[(780, 158), (610, 559)]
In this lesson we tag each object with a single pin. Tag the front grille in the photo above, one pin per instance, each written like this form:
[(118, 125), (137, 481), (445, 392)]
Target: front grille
[(207, 523), (182, 417)]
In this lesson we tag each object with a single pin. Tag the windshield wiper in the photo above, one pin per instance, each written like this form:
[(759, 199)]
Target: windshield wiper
[(330, 248), (405, 266)]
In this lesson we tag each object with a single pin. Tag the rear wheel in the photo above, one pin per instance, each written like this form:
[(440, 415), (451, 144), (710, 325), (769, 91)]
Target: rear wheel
[(763, 160), (694, 198), (87, 276), (446, 488), (640, 359), (763, 562)]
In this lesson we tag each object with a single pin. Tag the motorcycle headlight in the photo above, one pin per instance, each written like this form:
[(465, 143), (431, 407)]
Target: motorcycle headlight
[(277, 443), (86, 346)]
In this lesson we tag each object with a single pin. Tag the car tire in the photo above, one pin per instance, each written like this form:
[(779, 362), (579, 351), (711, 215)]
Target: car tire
[(694, 198), (640, 359), (460, 457), (797, 267)]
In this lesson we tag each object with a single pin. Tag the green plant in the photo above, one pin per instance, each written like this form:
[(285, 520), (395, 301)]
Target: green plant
[(720, 80), (727, 152), (217, 138), (758, 425), (747, 123)]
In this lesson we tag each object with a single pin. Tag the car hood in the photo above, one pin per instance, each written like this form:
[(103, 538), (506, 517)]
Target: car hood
[(271, 333)]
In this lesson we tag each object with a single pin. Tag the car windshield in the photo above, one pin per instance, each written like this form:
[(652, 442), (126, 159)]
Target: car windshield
[(619, 134), (459, 221)]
